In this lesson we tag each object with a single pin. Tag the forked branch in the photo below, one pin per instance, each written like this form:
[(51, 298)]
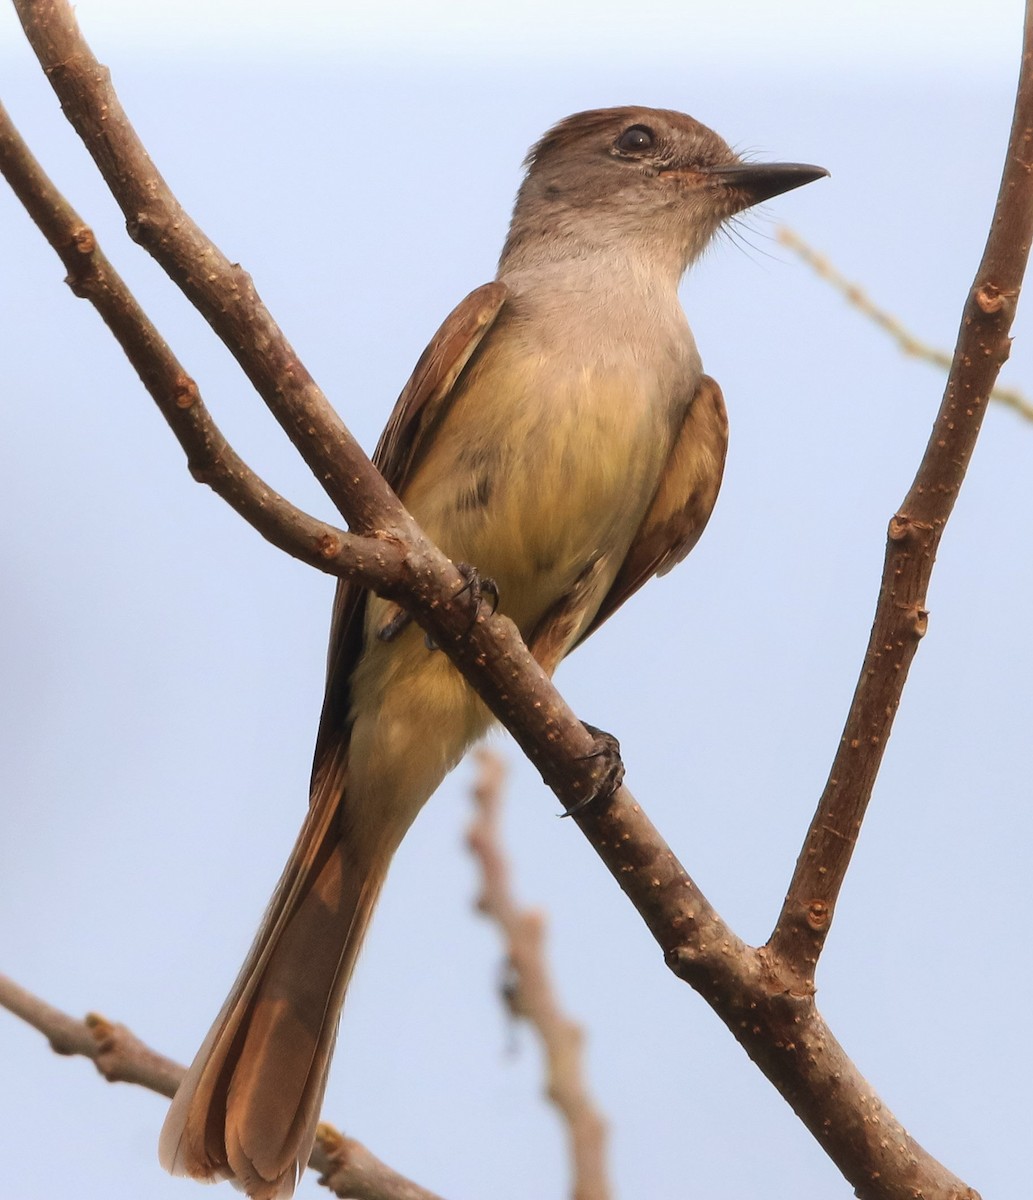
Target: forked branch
[(210, 457), (764, 996), (490, 653)]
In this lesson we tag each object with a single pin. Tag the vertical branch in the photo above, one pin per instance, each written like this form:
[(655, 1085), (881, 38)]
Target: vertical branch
[(531, 993), (914, 535)]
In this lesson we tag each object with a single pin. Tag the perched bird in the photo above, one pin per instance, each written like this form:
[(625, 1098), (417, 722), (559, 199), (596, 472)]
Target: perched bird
[(559, 434)]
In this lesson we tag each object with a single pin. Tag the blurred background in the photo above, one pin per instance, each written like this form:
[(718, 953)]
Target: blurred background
[(162, 666)]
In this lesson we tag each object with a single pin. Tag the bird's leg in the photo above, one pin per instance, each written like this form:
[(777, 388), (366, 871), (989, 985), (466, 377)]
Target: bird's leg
[(394, 625), (478, 588), (609, 774)]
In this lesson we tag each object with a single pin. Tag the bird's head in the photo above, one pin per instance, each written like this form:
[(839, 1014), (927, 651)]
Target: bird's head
[(642, 180)]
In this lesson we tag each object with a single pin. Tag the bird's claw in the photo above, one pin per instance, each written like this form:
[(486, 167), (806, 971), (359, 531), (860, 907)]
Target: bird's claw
[(609, 773), (478, 588), (475, 585), (396, 625)]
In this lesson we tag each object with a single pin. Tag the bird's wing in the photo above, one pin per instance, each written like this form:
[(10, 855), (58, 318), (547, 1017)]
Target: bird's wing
[(425, 397), (683, 502), (422, 404)]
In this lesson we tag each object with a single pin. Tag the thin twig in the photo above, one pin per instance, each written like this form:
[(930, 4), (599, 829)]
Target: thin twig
[(530, 992), (914, 534), (345, 1166), (116, 1052), (854, 294)]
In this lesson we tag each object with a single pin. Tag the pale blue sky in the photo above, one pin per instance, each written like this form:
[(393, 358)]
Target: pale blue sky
[(163, 666), (796, 31)]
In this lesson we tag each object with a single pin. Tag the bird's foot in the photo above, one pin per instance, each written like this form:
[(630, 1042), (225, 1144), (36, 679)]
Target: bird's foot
[(394, 625), (477, 587), (609, 772)]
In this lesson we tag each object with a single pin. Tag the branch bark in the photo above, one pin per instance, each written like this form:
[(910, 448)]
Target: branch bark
[(901, 617), (414, 572), (345, 1166), (765, 996), (210, 458), (530, 992)]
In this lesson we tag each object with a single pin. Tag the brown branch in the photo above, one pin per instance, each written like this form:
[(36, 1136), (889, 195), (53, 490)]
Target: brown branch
[(914, 534), (854, 294), (350, 1170), (210, 457), (530, 992), (221, 291), (116, 1052), (780, 1029), (490, 653), (345, 1166)]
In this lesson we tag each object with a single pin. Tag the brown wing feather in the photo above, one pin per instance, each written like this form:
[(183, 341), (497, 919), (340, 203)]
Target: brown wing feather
[(424, 398), (683, 501), (421, 405)]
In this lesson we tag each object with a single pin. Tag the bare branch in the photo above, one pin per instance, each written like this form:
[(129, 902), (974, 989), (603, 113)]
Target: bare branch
[(345, 1166), (854, 294), (914, 534), (210, 457), (117, 1053), (220, 290), (777, 1023), (490, 653), (530, 992), (349, 1170)]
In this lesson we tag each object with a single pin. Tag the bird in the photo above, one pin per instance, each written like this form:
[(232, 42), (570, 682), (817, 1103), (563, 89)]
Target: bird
[(559, 435)]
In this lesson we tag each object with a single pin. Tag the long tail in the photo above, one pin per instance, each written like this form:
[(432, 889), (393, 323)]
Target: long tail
[(247, 1108)]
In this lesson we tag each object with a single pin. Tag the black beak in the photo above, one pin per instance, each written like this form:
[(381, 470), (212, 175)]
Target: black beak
[(760, 181)]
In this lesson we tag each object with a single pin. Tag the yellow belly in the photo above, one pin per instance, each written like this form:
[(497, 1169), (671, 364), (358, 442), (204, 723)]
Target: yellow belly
[(533, 484), (538, 482)]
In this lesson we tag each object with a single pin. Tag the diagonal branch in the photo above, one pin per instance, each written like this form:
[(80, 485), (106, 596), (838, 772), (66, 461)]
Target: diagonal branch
[(914, 535), (118, 1054), (490, 652), (221, 291), (210, 458), (346, 1167), (778, 1026), (908, 343)]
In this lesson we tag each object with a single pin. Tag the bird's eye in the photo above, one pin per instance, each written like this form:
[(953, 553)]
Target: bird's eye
[(635, 140)]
